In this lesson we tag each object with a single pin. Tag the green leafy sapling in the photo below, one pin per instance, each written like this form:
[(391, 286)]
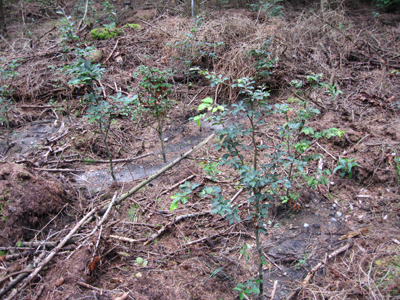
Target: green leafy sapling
[(266, 172), (100, 111), (333, 90), (263, 65), (345, 166), (250, 287), (155, 99), (140, 261), (254, 176), (211, 169)]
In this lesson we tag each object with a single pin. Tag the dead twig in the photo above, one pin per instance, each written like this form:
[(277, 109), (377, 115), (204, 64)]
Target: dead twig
[(39, 293), (53, 252), (176, 220), (21, 276), (274, 289), (326, 151), (177, 184), (319, 265), (112, 51), (59, 170), (95, 228)]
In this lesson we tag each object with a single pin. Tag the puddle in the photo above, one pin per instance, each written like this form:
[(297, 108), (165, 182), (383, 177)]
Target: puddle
[(37, 134), (30, 138), (126, 172)]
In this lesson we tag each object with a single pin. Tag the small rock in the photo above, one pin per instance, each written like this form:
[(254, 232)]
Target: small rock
[(333, 220), (338, 214), (306, 225)]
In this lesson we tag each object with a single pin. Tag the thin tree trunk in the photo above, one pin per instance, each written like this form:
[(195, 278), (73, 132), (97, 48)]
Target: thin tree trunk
[(2, 21)]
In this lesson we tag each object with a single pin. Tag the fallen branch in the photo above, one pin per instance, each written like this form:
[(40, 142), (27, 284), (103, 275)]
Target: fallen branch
[(39, 293), (112, 52), (48, 245), (59, 170), (319, 265), (21, 276), (88, 286), (155, 175), (352, 234), (326, 151), (95, 228), (126, 239), (274, 290), (93, 161), (177, 184)]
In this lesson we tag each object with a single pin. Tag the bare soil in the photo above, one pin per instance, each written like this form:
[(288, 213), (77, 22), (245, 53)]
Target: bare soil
[(55, 170)]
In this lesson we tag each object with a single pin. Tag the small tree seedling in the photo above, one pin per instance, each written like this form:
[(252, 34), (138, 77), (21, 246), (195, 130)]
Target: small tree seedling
[(345, 166), (154, 99)]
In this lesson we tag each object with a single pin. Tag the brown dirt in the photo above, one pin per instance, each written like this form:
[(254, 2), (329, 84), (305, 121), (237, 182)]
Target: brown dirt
[(27, 202), (361, 56)]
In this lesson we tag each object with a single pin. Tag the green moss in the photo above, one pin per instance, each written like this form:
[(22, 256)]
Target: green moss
[(134, 26), (106, 33)]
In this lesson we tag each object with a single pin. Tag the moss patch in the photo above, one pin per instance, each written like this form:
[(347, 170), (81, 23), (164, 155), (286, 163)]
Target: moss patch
[(134, 26), (106, 33)]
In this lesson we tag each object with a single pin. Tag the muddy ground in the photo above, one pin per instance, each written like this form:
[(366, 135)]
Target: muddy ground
[(54, 171)]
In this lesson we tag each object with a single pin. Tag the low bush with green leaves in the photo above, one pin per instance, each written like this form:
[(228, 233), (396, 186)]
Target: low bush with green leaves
[(263, 65), (191, 50)]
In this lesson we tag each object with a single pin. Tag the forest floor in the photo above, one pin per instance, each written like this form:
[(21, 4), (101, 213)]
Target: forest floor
[(54, 169)]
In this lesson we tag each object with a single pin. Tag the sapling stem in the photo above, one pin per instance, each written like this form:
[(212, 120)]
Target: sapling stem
[(160, 131), (104, 135), (8, 127), (259, 249)]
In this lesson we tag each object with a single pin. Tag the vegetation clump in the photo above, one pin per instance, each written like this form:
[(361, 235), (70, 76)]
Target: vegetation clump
[(106, 33), (133, 26)]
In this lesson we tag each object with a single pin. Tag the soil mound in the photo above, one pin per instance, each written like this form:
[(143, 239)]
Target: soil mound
[(26, 203)]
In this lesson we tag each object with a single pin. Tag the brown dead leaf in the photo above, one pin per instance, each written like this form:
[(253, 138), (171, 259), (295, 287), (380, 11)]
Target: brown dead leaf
[(60, 281)]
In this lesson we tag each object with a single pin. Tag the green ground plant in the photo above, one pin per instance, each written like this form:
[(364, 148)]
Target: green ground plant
[(345, 167), (183, 197), (263, 65)]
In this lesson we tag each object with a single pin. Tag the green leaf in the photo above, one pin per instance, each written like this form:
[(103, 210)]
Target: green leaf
[(174, 204)]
